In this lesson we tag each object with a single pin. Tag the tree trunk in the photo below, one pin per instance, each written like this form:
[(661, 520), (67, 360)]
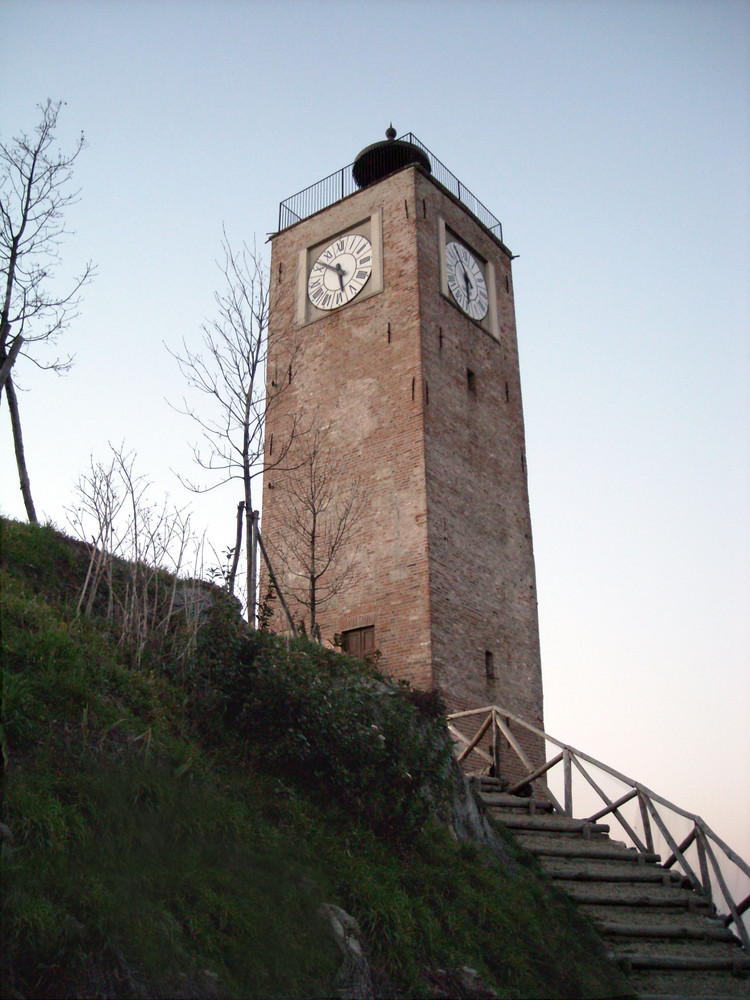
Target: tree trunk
[(237, 548), (23, 475), (312, 577), (9, 362), (254, 578), (250, 549)]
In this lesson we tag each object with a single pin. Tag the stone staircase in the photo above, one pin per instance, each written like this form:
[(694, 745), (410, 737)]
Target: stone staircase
[(666, 936)]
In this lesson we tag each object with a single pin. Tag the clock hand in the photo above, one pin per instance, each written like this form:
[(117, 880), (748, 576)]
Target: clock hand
[(467, 279), (337, 268)]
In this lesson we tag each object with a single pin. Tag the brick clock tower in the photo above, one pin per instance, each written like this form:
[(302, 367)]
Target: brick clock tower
[(393, 332)]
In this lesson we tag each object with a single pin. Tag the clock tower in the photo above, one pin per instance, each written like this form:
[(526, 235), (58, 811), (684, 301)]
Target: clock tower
[(392, 330)]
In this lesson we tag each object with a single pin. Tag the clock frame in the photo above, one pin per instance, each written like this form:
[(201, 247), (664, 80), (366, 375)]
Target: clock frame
[(467, 280), (340, 272), (370, 229)]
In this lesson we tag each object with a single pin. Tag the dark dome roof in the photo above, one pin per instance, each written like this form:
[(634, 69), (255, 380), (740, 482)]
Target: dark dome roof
[(383, 158)]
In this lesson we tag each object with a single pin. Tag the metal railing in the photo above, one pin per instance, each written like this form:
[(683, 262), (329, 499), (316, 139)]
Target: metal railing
[(340, 184), (702, 857)]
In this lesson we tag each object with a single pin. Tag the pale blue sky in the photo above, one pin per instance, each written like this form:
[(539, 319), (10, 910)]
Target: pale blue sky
[(613, 141)]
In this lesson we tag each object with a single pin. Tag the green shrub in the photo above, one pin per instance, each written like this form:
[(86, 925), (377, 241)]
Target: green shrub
[(334, 724)]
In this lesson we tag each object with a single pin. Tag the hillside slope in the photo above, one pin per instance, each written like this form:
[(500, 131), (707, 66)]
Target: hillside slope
[(182, 797)]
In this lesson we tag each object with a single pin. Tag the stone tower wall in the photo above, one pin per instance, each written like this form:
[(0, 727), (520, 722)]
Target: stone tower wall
[(445, 559), (483, 588), (357, 377)]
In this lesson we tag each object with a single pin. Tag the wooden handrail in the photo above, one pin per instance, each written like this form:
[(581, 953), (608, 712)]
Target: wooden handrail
[(613, 808), (496, 720), (683, 847)]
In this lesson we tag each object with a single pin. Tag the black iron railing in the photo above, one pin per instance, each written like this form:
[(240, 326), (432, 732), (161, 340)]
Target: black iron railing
[(341, 183)]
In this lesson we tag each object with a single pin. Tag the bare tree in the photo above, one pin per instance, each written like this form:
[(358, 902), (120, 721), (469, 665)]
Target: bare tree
[(321, 509), (138, 552), (34, 181), (231, 371)]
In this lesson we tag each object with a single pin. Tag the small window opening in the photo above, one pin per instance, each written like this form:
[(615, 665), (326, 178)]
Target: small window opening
[(270, 445), (389, 333), (440, 338), (413, 381), (424, 208), (507, 283), (471, 381), (489, 666), (507, 393), (406, 208), (281, 268)]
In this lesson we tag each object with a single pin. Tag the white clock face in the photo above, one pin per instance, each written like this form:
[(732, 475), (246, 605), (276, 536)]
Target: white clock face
[(466, 280), (340, 272)]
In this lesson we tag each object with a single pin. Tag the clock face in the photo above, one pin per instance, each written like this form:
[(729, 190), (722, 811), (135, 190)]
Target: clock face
[(340, 272), (466, 280)]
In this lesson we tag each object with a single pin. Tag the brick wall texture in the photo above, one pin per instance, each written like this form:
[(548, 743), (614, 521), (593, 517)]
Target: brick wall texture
[(444, 565)]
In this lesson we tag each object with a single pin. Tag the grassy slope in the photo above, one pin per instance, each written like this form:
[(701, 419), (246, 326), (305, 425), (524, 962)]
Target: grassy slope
[(168, 840)]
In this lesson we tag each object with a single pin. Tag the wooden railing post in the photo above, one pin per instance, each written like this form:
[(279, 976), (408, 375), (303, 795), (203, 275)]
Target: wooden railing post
[(694, 880), (702, 861), (737, 919), (567, 783), (613, 808), (646, 819), (495, 743), (710, 871)]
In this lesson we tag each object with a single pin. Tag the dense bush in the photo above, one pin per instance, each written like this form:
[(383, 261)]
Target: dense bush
[(328, 722)]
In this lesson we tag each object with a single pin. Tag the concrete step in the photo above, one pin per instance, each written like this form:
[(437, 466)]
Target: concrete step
[(684, 977), (687, 984), (677, 963), (585, 870), (484, 783), (690, 955), (669, 927), (545, 822), (647, 916), (672, 954), (602, 849), (517, 803), (665, 935), (625, 895)]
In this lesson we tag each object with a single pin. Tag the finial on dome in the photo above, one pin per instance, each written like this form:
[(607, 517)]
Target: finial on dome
[(390, 133)]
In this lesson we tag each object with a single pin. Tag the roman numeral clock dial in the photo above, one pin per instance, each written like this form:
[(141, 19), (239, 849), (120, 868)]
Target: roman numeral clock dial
[(340, 272), (466, 280)]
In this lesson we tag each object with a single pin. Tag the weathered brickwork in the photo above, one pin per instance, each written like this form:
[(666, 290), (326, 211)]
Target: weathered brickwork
[(445, 561)]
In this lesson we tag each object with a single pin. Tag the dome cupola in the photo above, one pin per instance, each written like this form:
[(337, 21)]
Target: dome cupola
[(386, 157)]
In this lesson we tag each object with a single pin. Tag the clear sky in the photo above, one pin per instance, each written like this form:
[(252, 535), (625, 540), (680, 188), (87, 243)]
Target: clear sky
[(613, 141)]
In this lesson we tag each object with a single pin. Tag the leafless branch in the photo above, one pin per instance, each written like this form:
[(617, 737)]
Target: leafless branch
[(34, 195), (138, 551), (229, 371), (322, 506)]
